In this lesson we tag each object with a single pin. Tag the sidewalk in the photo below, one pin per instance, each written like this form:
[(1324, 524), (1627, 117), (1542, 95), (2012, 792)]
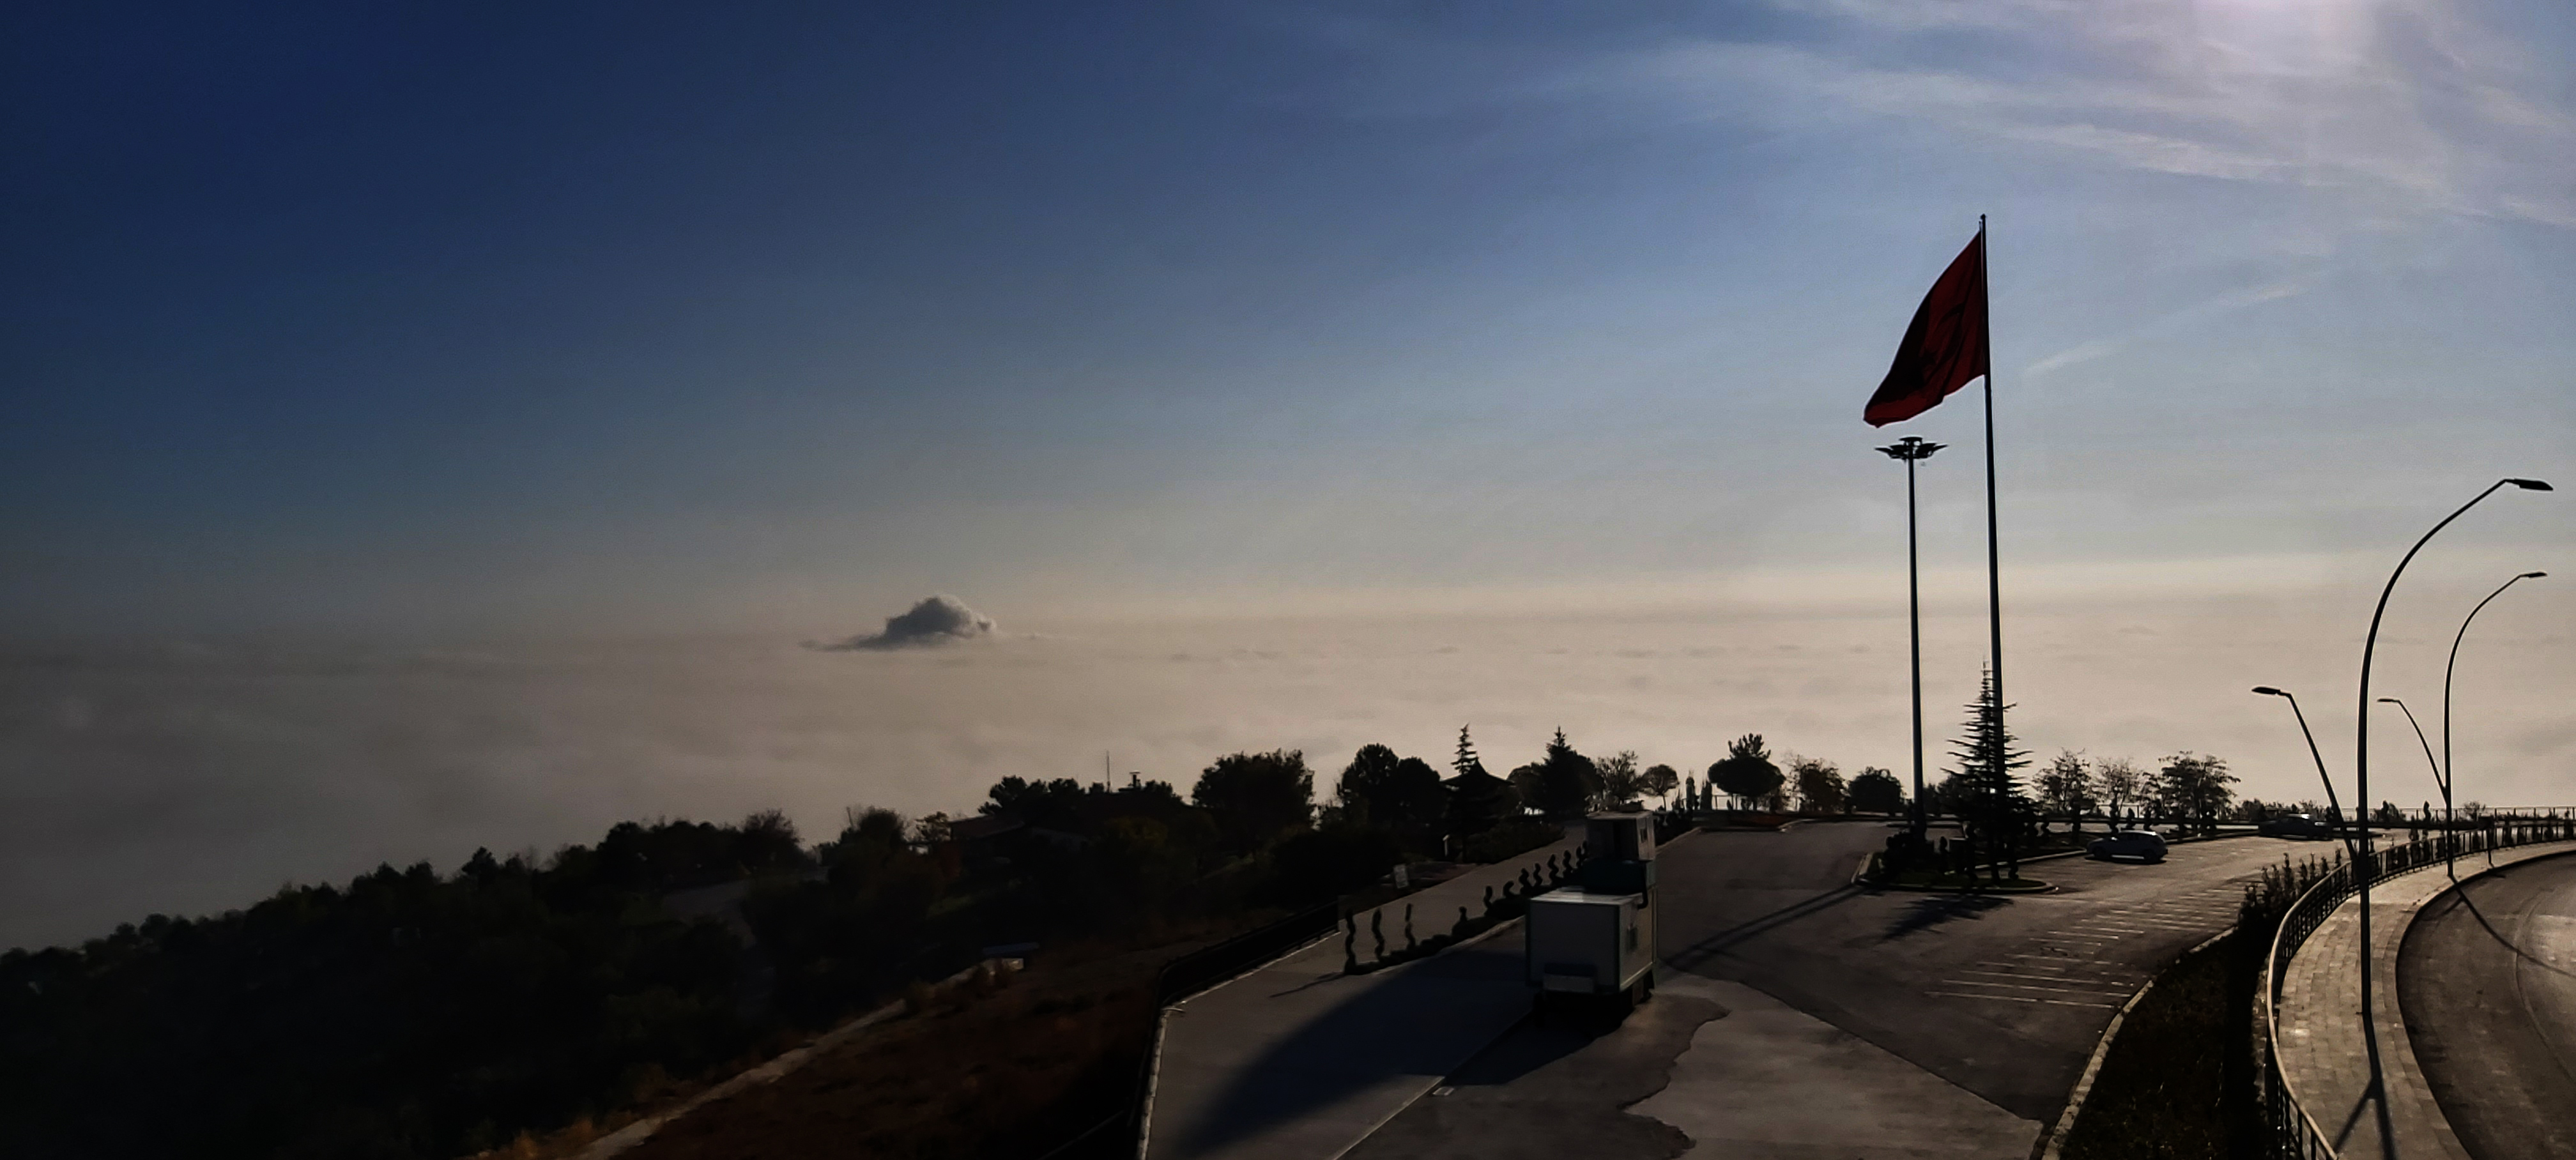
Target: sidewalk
[(2322, 1051), (1297, 1061)]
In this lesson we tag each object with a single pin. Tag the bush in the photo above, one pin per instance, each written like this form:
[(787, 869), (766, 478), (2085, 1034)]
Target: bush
[(1320, 864), (1518, 836)]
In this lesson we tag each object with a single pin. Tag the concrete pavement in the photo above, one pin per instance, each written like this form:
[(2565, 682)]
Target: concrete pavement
[(1558, 1087), (1297, 1061), (1705, 1069), (1769, 1081)]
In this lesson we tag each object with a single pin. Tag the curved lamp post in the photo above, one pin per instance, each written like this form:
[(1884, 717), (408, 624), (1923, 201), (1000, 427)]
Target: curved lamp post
[(2362, 868), (2361, 728), (2448, 820), (2440, 779), (1913, 451), (2334, 807)]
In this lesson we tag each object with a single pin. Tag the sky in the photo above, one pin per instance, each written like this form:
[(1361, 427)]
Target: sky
[(1264, 332)]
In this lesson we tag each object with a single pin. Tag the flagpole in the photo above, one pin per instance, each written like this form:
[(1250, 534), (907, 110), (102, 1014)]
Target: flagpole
[(1994, 569)]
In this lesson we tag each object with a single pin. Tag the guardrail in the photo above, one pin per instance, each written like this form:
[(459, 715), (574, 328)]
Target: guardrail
[(2294, 1133)]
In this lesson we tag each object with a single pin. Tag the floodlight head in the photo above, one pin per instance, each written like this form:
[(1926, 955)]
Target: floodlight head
[(2530, 485), (2392, 701), (2531, 576), (2269, 691), (1911, 447)]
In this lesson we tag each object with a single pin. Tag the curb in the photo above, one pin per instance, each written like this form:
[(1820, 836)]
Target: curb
[(2052, 1145)]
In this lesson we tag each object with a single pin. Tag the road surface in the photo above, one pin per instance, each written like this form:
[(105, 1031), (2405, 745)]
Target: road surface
[(2487, 980), (1811, 1018)]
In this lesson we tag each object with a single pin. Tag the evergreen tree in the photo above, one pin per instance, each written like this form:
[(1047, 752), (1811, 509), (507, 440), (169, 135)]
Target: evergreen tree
[(1477, 801), (1567, 782), (1988, 799)]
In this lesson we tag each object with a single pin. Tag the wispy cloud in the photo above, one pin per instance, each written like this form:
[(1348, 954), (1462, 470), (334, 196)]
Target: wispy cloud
[(2237, 299), (2409, 100), (2410, 104)]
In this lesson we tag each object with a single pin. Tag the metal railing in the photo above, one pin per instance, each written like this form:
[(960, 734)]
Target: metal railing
[(2294, 1133)]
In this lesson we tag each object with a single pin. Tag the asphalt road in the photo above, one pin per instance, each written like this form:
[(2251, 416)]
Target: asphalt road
[(2002, 996), (1994, 1003), (2487, 979)]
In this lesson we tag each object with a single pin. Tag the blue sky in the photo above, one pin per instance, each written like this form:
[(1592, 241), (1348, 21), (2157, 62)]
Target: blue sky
[(673, 320), (1273, 374), (629, 316)]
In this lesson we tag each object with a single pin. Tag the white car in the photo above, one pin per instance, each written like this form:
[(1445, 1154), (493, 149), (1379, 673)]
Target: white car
[(2143, 845)]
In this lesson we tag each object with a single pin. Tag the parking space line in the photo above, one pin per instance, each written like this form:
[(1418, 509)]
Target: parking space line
[(2020, 999), (2030, 987), (2104, 987)]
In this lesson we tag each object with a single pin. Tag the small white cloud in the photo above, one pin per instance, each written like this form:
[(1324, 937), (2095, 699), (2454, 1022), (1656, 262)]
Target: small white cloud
[(935, 621)]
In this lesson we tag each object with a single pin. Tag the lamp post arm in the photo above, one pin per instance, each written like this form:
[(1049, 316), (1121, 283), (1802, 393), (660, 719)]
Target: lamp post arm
[(2370, 644), (2447, 669), (2438, 778), (2332, 805)]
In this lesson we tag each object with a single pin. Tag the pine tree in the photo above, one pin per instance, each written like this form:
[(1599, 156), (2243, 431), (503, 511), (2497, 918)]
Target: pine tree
[(1478, 801), (1990, 803), (1567, 783)]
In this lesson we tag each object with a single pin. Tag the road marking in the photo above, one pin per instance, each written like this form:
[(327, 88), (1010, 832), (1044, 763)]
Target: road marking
[(2030, 987), (2121, 984), (2053, 963), (2020, 999)]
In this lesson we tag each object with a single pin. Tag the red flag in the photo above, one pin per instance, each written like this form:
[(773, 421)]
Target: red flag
[(1945, 348)]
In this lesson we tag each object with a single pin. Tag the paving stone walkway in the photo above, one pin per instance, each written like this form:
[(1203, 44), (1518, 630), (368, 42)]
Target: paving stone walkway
[(2324, 1055)]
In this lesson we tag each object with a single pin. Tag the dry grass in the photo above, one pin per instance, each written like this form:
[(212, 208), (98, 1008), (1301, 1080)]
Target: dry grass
[(2161, 1093), (1005, 1069)]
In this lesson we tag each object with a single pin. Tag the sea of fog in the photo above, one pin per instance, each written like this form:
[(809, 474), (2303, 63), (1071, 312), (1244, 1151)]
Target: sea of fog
[(195, 776)]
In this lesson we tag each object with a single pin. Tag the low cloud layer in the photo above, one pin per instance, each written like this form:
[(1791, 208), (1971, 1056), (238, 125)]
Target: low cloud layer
[(194, 779), (935, 621)]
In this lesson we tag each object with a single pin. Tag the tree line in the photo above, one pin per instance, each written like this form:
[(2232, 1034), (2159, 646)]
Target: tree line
[(409, 1013), (413, 1013)]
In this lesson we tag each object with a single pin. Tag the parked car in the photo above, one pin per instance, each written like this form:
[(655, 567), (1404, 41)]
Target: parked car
[(2295, 826), (2143, 845)]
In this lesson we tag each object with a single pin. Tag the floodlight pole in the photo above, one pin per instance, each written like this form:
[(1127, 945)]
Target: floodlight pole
[(1913, 450)]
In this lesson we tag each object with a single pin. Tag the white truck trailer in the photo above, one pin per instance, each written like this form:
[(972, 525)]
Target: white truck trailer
[(1581, 943), (1598, 937)]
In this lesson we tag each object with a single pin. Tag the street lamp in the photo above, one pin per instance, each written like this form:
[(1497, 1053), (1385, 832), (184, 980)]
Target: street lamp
[(2369, 1030), (2448, 820), (2361, 725), (2334, 808), (1913, 451), (2362, 869)]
